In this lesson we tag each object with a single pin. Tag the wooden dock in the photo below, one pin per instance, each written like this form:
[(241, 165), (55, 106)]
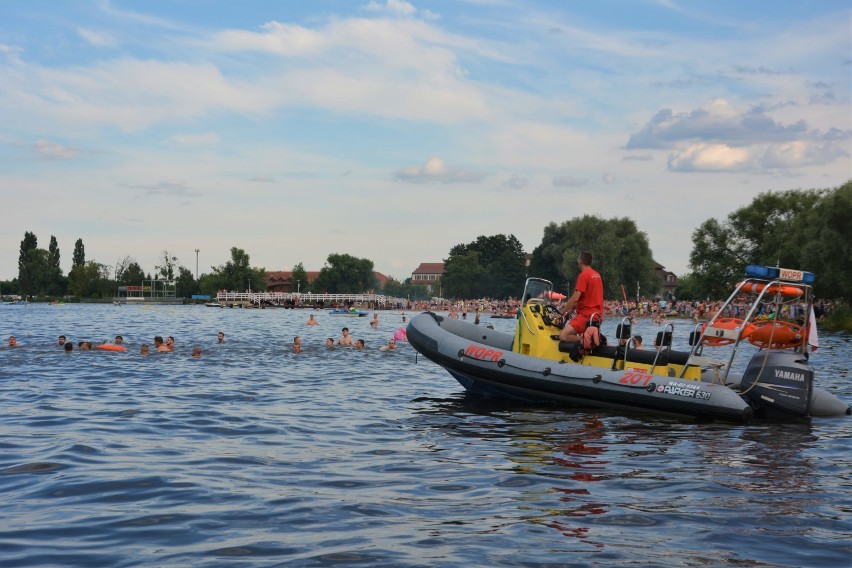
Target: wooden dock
[(290, 299)]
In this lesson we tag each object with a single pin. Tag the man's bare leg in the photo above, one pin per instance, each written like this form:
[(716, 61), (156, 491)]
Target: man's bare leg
[(568, 334)]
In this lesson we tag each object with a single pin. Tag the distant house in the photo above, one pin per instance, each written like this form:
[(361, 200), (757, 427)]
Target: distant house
[(428, 274), (668, 280), (282, 281)]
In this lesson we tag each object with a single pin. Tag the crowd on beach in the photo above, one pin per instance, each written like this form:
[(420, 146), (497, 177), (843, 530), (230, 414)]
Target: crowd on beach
[(656, 310)]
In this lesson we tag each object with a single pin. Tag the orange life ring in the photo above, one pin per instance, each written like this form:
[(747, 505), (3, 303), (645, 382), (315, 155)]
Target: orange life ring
[(111, 347), (777, 335), (757, 288), (723, 325)]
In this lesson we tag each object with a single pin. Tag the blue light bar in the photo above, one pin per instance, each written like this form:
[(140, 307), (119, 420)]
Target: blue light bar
[(776, 273)]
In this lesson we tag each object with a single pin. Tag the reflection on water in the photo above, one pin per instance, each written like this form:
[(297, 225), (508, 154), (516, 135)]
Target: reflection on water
[(256, 455)]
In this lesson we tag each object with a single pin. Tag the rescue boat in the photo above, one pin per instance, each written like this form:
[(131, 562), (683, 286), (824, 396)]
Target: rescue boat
[(533, 365)]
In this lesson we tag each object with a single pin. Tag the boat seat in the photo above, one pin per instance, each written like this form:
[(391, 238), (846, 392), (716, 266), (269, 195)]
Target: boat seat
[(643, 356), (679, 357)]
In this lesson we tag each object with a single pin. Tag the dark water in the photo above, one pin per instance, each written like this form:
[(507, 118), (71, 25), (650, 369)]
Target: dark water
[(255, 456)]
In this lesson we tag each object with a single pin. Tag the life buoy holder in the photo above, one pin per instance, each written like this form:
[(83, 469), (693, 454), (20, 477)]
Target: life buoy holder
[(720, 332), (758, 287), (777, 335)]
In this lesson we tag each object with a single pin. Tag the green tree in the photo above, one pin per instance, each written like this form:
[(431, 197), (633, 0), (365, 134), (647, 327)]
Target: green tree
[(502, 260), (237, 274), (26, 275), (38, 268), (825, 234), (185, 284), (56, 282), (79, 258), (717, 259), (803, 229), (299, 278), (167, 266), (129, 273), (687, 288), (463, 275), (620, 252), (90, 280), (345, 274), (9, 287)]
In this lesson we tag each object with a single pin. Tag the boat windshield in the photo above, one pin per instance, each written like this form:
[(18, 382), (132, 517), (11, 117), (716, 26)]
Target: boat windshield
[(537, 290)]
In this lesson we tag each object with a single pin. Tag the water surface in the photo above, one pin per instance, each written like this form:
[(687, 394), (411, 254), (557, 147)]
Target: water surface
[(256, 456)]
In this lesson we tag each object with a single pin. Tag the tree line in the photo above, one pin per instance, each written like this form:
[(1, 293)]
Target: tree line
[(40, 275), (803, 229)]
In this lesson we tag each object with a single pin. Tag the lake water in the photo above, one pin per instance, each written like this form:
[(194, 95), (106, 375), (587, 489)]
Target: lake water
[(255, 456)]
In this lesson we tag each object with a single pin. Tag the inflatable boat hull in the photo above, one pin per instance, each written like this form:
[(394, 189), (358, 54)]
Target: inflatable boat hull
[(482, 361)]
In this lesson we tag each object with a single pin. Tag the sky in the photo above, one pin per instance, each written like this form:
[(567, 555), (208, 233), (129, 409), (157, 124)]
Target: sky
[(394, 130)]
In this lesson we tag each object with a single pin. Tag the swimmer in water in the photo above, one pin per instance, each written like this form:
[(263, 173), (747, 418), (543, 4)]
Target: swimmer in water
[(312, 320), (297, 344), (144, 350), (390, 346), (359, 345), (346, 339), (196, 352), (220, 337), (329, 342)]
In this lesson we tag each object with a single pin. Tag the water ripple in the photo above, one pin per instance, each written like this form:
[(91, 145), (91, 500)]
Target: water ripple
[(253, 455)]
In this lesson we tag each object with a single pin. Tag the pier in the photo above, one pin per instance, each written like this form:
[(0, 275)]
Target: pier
[(291, 299)]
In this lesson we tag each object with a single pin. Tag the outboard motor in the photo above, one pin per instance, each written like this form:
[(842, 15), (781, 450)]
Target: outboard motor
[(779, 383)]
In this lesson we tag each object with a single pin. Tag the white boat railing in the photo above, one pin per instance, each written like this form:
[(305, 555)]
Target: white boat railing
[(308, 298)]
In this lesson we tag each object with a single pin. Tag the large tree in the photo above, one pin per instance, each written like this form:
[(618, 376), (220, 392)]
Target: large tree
[(825, 237), (620, 253), (55, 280), (237, 274), (26, 268), (298, 278), (90, 280), (345, 274), (167, 266), (800, 229), (133, 275), (463, 276), (185, 284), (501, 261), (79, 258)]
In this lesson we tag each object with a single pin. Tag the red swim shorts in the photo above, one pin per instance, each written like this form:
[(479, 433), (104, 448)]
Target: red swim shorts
[(579, 323)]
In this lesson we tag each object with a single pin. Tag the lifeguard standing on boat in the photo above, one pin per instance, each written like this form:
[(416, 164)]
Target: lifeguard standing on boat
[(587, 298)]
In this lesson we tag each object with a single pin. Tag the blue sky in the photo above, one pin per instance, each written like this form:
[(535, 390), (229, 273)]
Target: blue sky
[(394, 130)]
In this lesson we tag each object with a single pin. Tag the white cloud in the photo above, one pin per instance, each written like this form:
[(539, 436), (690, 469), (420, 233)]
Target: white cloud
[(393, 7), (51, 151), (568, 181), (436, 171), (719, 137), (702, 157), (716, 121), (515, 182), (97, 39), (165, 188), (711, 157), (203, 139)]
